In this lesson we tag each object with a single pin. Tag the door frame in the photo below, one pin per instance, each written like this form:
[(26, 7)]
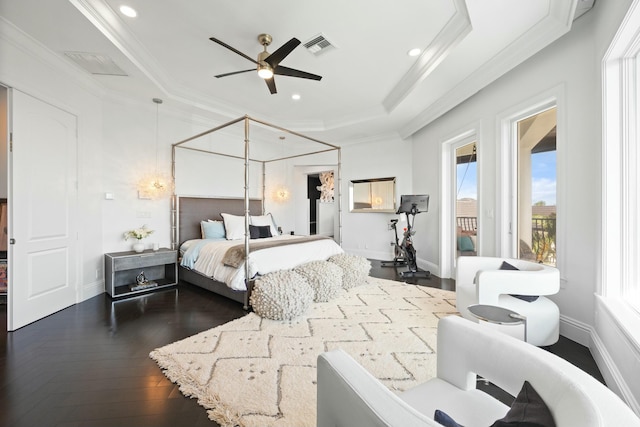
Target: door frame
[(448, 224)]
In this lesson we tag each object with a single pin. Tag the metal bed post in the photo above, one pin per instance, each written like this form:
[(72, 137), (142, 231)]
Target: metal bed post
[(247, 278), (339, 196), (174, 201)]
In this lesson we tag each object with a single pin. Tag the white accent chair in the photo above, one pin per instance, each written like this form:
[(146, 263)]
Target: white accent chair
[(349, 396), (479, 280)]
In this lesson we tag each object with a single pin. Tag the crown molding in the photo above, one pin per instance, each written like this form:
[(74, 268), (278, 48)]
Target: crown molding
[(456, 29), (555, 24)]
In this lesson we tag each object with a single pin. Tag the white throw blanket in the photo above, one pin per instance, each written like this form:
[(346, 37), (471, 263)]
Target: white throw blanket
[(209, 261)]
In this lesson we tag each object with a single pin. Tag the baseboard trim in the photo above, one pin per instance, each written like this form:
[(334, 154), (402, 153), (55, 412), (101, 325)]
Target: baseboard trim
[(91, 290), (428, 266), (587, 335), (618, 368), (575, 330)]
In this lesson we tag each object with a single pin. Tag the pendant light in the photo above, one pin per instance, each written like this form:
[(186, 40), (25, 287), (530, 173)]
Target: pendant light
[(156, 185)]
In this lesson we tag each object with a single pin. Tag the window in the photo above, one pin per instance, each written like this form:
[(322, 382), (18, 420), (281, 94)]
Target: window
[(536, 188), (620, 162)]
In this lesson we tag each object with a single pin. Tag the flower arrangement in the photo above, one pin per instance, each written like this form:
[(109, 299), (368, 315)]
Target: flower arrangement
[(138, 233)]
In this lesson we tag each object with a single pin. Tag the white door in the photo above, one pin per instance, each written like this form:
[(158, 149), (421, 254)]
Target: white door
[(43, 200)]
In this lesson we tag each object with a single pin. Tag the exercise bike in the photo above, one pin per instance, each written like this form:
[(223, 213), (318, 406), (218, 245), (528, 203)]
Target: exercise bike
[(404, 252), (398, 254)]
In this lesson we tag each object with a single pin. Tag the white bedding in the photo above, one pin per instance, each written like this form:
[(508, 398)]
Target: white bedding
[(209, 258)]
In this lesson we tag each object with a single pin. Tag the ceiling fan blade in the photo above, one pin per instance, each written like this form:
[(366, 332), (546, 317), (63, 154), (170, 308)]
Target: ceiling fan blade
[(286, 71), (223, 44), (284, 50), (234, 72), (271, 84)]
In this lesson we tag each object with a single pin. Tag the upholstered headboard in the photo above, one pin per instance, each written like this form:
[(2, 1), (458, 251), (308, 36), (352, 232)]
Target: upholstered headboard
[(192, 210)]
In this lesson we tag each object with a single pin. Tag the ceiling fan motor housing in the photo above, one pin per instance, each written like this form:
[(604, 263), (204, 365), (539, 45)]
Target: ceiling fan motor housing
[(265, 40)]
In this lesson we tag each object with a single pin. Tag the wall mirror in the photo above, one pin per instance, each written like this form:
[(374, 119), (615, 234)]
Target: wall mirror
[(373, 195)]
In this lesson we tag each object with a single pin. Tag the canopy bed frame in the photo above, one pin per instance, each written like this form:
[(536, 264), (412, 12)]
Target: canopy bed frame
[(187, 212)]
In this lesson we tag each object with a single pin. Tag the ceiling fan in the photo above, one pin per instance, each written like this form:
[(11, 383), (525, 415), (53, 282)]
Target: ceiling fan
[(268, 64)]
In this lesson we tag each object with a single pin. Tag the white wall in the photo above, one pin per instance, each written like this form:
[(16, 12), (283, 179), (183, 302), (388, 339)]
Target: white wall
[(570, 67), (368, 234), (39, 73)]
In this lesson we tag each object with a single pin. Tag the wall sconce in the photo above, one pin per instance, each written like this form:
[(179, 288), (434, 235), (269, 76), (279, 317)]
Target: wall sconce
[(281, 194), (155, 185)]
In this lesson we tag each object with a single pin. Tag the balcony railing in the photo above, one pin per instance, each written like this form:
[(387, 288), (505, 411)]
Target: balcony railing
[(543, 240), (543, 236)]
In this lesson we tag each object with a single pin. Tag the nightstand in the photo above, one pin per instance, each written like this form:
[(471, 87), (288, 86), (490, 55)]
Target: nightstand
[(121, 269)]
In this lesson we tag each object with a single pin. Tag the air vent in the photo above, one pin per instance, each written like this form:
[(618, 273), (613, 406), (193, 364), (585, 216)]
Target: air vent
[(319, 44), (96, 63)]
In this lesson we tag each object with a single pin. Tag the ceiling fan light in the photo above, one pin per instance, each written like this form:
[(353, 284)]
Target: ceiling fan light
[(265, 71)]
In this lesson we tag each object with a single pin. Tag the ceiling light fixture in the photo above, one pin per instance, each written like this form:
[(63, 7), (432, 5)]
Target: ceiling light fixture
[(265, 71), (295, 97), (414, 52), (156, 185), (128, 11)]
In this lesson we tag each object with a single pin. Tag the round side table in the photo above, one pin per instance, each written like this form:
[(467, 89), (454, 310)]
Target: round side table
[(498, 315)]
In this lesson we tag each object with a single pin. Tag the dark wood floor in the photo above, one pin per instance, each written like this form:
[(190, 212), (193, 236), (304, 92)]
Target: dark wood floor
[(89, 365)]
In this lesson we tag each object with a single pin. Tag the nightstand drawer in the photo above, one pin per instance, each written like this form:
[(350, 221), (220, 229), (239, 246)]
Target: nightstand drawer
[(144, 260)]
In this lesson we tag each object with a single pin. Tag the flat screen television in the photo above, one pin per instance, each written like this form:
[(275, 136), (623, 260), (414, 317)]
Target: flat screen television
[(413, 203)]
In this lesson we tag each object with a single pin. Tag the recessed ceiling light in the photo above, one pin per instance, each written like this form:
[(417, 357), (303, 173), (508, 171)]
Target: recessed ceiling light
[(128, 11), (295, 96), (414, 52)]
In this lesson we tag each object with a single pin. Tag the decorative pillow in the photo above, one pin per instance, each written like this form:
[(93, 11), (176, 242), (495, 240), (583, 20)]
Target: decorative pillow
[(527, 410), (234, 226), (266, 219), (465, 244), (528, 298), (259, 231), (324, 277), (281, 295), (355, 269), (212, 229), (444, 419)]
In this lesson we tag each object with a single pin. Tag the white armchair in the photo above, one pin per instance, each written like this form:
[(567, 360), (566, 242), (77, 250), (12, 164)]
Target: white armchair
[(479, 280), (349, 396)]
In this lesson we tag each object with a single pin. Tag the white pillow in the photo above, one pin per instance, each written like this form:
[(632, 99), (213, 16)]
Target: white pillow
[(265, 220), (233, 226)]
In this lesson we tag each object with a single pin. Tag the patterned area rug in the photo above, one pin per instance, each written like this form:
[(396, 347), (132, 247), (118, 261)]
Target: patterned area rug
[(259, 372)]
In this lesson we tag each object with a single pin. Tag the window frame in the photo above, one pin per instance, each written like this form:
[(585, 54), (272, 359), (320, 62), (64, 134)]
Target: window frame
[(620, 248)]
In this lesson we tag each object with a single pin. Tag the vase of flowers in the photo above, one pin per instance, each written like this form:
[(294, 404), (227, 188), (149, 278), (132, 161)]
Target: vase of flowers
[(138, 234)]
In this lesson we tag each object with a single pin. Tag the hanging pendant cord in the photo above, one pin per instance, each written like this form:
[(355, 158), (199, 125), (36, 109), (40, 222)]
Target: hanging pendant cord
[(158, 101)]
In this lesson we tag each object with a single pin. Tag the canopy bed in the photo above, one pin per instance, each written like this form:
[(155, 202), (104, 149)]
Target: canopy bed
[(226, 241)]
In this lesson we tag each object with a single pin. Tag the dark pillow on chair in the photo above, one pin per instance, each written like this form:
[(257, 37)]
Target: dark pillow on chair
[(528, 298), (259, 231), (528, 410), (444, 419)]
